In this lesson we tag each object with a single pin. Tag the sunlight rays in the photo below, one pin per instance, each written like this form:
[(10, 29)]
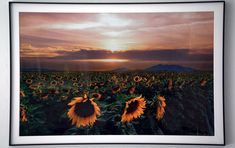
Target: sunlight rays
[(103, 60)]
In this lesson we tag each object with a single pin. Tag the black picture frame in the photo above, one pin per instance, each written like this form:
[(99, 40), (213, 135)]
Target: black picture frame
[(12, 72)]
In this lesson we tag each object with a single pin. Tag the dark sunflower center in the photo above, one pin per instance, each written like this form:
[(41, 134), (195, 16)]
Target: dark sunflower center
[(96, 95), (52, 91), (84, 109), (132, 107), (66, 90), (116, 88)]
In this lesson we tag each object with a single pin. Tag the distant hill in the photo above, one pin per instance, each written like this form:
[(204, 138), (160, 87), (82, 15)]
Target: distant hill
[(175, 68)]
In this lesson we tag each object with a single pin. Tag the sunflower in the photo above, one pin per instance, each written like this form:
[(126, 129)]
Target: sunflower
[(59, 77), (53, 91), (80, 85), (114, 77), (116, 89), (54, 83), (102, 83), (148, 84), (93, 84), (75, 92), (203, 82), (40, 84), (74, 79), (75, 84), (43, 78), (181, 85), (153, 78), (61, 82), (34, 87), (137, 78), (23, 115), (131, 90), (29, 81), (44, 96), (96, 95), (134, 108), (170, 85), (22, 94), (63, 98), (37, 92), (191, 83), (145, 79), (161, 104), (83, 111), (66, 90)]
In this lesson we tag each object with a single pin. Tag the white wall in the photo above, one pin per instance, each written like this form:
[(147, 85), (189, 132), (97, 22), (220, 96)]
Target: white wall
[(229, 78)]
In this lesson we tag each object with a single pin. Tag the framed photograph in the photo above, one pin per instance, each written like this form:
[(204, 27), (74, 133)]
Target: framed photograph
[(129, 73)]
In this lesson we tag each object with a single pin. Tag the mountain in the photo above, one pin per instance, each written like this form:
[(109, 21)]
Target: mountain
[(175, 68), (120, 70)]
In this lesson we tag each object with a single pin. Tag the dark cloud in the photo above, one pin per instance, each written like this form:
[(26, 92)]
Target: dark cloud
[(149, 55), (55, 64), (137, 59)]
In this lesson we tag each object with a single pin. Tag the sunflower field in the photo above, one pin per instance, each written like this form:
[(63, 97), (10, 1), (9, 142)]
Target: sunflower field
[(116, 103)]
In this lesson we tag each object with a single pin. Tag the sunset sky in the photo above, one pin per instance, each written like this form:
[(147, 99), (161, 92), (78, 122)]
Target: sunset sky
[(107, 41)]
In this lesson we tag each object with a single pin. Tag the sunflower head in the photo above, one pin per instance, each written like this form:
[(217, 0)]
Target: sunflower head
[(40, 84), (181, 85), (137, 78), (75, 84), (74, 79), (116, 89), (63, 98), (114, 77), (29, 81), (37, 92), (76, 92), (102, 83), (43, 78), (191, 83), (83, 111), (53, 91), (145, 79), (66, 90), (34, 86), (93, 84), (203, 82), (161, 104), (23, 114), (148, 84), (22, 94), (134, 108), (44, 96), (53, 83), (61, 82), (131, 90), (96, 96), (170, 85), (123, 85), (59, 77)]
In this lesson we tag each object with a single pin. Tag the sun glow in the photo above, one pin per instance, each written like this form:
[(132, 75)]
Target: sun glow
[(114, 45), (103, 60), (114, 60)]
